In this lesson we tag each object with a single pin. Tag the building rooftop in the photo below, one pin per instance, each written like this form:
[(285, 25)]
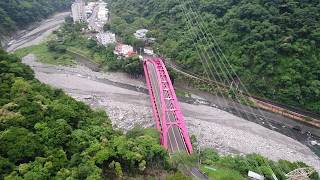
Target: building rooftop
[(141, 34), (124, 50)]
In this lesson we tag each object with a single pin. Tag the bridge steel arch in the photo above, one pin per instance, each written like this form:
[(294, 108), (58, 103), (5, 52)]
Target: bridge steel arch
[(166, 109)]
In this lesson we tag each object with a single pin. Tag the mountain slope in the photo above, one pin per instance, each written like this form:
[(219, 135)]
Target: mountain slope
[(272, 45), (16, 14)]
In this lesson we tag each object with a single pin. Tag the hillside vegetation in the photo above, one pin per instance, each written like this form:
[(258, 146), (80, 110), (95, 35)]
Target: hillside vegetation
[(15, 14), (272, 45), (46, 134), (70, 38)]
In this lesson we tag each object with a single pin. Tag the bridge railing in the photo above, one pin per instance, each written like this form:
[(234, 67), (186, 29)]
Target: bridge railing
[(167, 95)]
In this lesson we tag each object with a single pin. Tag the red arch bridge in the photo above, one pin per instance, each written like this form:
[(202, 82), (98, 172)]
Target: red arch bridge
[(166, 110)]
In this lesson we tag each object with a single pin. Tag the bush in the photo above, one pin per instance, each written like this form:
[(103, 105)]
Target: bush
[(133, 66)]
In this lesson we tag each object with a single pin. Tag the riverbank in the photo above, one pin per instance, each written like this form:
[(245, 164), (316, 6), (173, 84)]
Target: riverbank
[(130, 107)]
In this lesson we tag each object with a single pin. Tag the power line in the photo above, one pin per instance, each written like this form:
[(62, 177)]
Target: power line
[(262, 114), (215, 80), (226, 78)]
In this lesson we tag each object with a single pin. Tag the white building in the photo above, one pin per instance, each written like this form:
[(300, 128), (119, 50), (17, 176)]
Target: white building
[(91, 5), (124, 50), (141, 34), (102, 14), (106, 38), (148, 51), (78, 11), (89, 8)]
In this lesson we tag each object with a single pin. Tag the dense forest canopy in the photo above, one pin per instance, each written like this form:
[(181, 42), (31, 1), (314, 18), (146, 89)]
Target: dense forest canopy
[(272, 45), (46, 134), (19, 13)]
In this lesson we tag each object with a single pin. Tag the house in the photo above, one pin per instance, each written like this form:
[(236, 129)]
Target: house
[(141, 34), (148, 51), (124, 50), (78, 11), (151, 40)]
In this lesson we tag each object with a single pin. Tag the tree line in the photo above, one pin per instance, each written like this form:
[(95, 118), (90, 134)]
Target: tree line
[(272, 45)]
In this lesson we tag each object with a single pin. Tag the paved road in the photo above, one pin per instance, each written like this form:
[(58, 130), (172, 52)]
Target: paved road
[(196, 173), (175, 139), (38, 33)]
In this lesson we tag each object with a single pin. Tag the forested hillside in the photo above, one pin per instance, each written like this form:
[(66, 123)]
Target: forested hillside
[(45, 134), (272, 45), (19, 13)]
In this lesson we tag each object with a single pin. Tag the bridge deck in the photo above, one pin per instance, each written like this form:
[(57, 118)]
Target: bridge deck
[(166, 109)]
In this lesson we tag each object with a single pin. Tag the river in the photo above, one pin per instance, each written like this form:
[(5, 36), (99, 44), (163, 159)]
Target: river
[(127, 103)]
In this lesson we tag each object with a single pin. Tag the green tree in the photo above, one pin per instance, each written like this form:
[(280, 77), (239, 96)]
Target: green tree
[(5, 167), (19, 145), (133, 66)]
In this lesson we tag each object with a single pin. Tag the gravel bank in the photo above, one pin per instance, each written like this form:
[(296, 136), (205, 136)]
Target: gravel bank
[(213, 127), (228, 133)]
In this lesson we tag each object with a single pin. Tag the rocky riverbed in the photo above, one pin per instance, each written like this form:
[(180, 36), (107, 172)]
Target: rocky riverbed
[(127, 103), (128, 108)]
